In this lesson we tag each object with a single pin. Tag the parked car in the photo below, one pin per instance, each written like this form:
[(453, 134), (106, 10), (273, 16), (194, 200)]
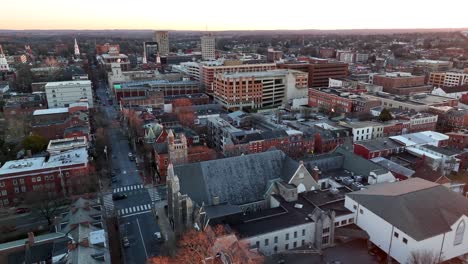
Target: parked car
[(22, 210), (118, 196), (125, 242)]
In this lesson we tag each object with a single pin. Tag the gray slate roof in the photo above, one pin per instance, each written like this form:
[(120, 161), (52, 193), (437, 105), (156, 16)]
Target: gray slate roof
[(419, 208), (236, 180)]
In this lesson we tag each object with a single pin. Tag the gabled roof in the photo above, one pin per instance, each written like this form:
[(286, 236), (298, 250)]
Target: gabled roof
[(419, 208), (236, 180)]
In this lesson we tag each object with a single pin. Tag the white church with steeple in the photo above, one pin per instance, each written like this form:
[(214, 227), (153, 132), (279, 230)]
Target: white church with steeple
[(3, 61)]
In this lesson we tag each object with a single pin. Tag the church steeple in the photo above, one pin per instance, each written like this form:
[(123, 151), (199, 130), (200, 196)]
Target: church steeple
[(77, 49), (3, 61)]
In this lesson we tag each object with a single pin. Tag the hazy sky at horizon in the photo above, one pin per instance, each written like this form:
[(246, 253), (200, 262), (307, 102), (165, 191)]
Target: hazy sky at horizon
[(232, 15)]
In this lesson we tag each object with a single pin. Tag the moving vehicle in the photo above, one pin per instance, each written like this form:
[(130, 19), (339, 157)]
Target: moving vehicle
[(118, 196), (125, 242), (22, 210)]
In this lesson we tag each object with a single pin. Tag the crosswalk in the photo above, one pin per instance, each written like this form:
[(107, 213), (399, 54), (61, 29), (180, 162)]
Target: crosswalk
[(134, 210), (154, 194), (128, 188)]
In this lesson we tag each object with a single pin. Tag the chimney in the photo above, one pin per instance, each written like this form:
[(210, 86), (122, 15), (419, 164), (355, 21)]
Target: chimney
[(85, 242), (315, 173), (31, 239), (29, 153), (71, 246)]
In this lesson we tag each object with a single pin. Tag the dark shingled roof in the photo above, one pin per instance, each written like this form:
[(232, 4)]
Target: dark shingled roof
[(419, 208), (236, 180)]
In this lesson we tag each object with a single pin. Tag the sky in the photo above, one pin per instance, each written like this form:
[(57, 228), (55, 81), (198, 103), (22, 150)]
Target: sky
[(217, 15)]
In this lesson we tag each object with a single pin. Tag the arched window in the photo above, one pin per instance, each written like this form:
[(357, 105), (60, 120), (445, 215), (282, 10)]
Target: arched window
[(459, 233)]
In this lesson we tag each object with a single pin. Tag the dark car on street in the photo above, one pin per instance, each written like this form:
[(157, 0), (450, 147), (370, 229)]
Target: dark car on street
[(118, 196)]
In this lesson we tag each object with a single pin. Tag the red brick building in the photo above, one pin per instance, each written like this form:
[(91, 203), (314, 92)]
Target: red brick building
[(401, 83), (177, 149), (319, 71), (61, 174), (151, 99), (458, 139), (331, 100), (327, 53), (52, 123), (379, 147)]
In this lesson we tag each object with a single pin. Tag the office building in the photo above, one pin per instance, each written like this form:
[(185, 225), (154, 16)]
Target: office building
[(63, 94), (401, 83), (162, 38), (320, 71), (208, 47), (447, 79), (259, 89), (150, 52)]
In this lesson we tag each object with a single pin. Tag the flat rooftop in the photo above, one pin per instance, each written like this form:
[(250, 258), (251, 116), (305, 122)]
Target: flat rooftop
[(290, 214), (270, 73), (379, 144), (66, 158), (51, 111), (68, 83)]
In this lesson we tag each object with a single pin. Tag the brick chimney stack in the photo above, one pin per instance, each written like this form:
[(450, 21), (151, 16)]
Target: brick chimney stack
[(315, 173)]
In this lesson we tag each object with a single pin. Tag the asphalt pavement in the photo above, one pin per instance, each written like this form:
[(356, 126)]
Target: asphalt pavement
[(135, 212)]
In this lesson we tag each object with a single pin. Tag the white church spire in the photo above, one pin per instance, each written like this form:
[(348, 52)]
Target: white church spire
[(77, 49)]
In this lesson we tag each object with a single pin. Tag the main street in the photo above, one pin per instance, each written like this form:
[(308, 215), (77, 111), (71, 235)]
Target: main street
[(135, 213)]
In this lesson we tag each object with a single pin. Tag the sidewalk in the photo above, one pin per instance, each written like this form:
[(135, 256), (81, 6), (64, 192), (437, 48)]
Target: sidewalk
[(170, 245)]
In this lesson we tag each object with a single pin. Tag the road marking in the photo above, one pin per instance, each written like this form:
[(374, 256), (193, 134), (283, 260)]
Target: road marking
[(142, 240), (137, 213)]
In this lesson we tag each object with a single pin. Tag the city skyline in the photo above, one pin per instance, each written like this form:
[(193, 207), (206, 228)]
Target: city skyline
[(244, 15)]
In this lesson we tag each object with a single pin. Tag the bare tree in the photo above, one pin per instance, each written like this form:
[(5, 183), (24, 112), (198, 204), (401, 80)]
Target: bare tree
[(424, 257), (46, 203)]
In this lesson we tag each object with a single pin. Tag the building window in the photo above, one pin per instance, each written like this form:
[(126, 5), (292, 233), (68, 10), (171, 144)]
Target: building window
[(343, 222), (51, 177), (15, 182), (33, 179), (351, 220), (21, 181), (295, 244), (2, 184), (23, 188), (302, 242), (276, 239), (325, 240), (395, 234), (16, 190), (361, 211), (303, 232), (295, 234), (326, 230), (405, 240), (287, 236), (4, 193), (355, 207), (286, 246), (459, 233), (39, 179), (337, 223), (5, 202), (257, 244), (275, 249), (266, 242), (46, 178)]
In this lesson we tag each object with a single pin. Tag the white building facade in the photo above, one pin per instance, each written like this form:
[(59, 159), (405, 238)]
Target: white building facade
[(403, 230), (63, 94)]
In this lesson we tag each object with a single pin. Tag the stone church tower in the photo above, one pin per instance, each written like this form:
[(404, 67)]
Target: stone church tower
[(177, 148), (180, 207)]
